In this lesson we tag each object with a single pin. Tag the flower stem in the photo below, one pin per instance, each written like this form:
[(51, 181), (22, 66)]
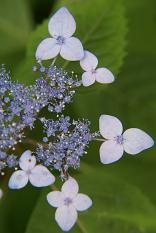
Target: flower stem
[(54, 188), (30, 141), (81, 226), (33, 142), (100, 139), (53, 62)]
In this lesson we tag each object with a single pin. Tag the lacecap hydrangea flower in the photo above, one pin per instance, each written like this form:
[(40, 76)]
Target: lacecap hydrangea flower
[(68, 202), (38, 175), (61, 27), (63, 141), (89, 63), (132, 141)]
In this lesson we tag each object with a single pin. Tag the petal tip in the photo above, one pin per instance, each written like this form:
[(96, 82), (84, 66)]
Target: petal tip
[(89, 61), (136, 141), (104, 76), (62, 23)]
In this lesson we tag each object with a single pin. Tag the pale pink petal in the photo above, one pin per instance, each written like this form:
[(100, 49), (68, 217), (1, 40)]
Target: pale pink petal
[(18, 180), (110, 126), (27, 161), (82, 202), (66, 217), (136, 140), (72, 49), (88, 78), (70, 188), (40, 176), (62, 23), (47, 49), (110, 152), (55, 198), (103, 75), (89, 62)]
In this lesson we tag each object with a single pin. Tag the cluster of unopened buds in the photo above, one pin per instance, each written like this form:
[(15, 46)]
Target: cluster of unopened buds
[(64, 141)]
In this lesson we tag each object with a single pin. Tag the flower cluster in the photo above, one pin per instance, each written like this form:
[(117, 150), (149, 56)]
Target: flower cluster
[(11, 107), (18, 110), (64, 141), (20, 105), (10, 161), (56, 87)]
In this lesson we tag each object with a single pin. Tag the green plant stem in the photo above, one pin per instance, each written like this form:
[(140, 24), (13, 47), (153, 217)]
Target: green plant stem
[(100, 139), (53, 62), (81, 226), (30, 141)]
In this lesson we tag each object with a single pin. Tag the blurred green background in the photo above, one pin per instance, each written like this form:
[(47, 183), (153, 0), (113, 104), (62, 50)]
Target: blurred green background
[(122, 34)]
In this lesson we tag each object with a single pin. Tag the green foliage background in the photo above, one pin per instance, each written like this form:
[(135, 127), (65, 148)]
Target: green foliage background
[(122, 34)]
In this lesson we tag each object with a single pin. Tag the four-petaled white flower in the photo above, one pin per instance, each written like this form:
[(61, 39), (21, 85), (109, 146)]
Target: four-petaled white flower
[(132, 141), (1, 193), (89, 63), (61, 27), (68, 202), (38, 175)]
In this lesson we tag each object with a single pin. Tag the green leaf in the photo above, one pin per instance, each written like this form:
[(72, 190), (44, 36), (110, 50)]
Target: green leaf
[(15, 209), (123, 193), (143, 38), (132, 98), (15, 26), (118, 207), (102, 30)]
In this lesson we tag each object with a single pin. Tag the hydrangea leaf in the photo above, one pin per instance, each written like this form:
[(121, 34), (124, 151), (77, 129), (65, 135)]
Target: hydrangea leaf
[(106, 35), (117, 207), (132, 99), (15, 208)]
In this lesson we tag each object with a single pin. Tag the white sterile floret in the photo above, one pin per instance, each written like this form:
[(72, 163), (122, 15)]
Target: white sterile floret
[(132, 141), (89, 63), (38, 175), (61, 27), (1, 193), (68, 202)]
